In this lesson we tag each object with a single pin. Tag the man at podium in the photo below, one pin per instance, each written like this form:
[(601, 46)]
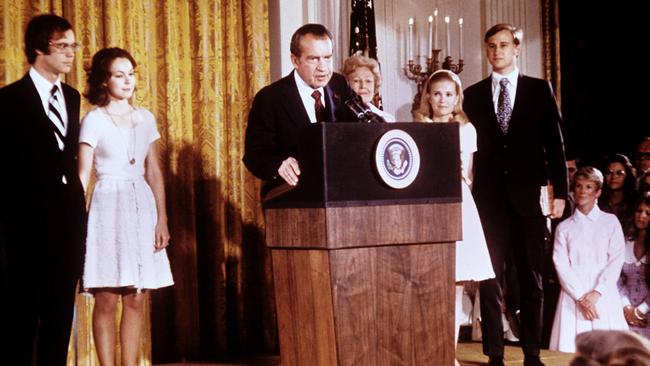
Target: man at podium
[(311, 93)]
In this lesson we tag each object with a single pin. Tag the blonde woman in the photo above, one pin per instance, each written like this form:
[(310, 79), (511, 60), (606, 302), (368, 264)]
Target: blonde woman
[(441, 102), (364, 77)]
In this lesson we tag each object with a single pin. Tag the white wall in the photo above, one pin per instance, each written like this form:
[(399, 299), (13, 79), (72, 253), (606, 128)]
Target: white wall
[(391, 24)]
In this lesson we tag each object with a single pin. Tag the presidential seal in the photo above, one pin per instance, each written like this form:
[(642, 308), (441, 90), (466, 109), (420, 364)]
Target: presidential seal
[(397, 159)]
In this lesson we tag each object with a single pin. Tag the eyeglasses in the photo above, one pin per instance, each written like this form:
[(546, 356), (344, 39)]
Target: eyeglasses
[(616, 173), (62, 47)]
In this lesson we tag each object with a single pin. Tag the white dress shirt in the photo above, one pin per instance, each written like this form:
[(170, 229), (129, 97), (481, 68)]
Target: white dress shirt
[(44, 87), (513, 78), (308, 101)]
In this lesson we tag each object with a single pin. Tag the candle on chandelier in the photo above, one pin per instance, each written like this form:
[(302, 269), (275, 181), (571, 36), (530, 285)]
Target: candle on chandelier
[(430, 43), (435, 29), (448, 39), (460, 38), (409, 41)]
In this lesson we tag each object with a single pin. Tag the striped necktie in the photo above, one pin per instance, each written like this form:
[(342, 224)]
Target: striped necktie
[(54, 113), (318, 106)]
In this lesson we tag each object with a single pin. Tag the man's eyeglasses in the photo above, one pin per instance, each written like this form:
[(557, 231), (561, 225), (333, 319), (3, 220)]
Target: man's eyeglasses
[(62, 47)]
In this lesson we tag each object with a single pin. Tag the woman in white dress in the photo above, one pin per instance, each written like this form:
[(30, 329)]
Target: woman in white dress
[(364, 77), (441, 101), (588, 253), (127, 218)]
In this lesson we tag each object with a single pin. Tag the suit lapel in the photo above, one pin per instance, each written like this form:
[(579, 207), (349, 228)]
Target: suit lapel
[(332, 99), (41, 120), (292, 102), (72, 134), (520, 100), (488, 106)]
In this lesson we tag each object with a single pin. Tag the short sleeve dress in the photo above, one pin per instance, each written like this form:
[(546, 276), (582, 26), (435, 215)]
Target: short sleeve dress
[(122, 212), (472, 257), (632, 285)]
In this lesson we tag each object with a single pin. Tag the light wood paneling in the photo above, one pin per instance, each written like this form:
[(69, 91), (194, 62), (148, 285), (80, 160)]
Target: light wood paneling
[(394, 305), (304, 307), (344, 227)]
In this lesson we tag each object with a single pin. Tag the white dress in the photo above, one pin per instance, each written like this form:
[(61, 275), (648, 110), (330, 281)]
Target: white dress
[(588, 253), (122, 213), (472, 256)]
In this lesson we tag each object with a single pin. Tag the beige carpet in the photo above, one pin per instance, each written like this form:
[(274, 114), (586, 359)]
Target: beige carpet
[(469, 354)]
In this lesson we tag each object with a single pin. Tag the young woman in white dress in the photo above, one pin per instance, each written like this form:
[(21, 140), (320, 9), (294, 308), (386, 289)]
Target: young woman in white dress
[(127, 218), (441, 101), (588, 254)]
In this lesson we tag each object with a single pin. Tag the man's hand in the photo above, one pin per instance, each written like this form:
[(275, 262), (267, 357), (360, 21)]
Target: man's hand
[(289, 171), (557, 208)]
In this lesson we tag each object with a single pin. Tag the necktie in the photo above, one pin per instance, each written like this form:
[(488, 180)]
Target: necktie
[(504, 108), (318, 106), (54, 113)]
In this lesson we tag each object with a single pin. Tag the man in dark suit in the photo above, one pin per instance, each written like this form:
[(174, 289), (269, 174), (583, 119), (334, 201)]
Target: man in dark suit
[(311, 93), (520, 149), (42, 208)]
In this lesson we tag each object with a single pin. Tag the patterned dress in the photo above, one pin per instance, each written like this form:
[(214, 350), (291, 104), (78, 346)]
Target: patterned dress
[(633, 287), (122, 213)]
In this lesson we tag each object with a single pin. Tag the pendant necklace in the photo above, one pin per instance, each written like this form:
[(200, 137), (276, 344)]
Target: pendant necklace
[(131, 155)]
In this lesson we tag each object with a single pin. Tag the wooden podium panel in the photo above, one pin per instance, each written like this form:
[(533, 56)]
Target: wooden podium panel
[(364, 273), (385, 305), (342, 227)]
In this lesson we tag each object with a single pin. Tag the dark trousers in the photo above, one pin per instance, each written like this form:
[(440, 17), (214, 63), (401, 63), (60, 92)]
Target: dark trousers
[(37, 302), (518, 240)]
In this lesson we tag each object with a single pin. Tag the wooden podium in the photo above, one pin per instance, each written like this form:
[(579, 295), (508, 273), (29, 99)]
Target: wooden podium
[(364, 273)]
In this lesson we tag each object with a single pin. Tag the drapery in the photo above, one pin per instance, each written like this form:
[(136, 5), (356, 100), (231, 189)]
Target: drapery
[(200, 62)]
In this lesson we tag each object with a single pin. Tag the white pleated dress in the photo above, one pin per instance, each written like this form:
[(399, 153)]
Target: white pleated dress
[(122, 213), (472, 256), (588, 253)]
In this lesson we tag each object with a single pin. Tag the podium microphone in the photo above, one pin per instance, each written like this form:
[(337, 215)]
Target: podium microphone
[(362, 111)]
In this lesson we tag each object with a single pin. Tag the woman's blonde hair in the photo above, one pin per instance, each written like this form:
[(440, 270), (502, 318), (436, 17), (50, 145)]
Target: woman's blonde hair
[(424, 113), (356, 61)]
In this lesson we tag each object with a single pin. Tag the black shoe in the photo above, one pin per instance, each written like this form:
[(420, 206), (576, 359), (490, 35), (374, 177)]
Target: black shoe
[(533, 361), (496, 361)]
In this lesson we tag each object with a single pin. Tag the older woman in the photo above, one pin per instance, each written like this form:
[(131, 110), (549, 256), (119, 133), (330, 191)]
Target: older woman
[(364, 78)]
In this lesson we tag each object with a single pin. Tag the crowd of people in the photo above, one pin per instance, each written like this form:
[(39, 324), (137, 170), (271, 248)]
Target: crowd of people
[(511, 149)]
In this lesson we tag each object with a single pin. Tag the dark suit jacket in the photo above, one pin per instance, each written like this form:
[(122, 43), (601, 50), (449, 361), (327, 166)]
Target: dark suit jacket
[(512, 168), (277, 118), (37, 210)]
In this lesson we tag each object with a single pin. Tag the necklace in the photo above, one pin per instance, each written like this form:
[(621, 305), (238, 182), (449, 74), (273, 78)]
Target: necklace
[(130, 156)]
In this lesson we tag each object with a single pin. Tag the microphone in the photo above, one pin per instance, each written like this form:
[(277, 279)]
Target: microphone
[(362, 111)]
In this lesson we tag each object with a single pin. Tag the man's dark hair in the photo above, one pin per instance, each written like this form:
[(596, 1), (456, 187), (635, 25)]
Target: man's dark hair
[(99, 73), (317, 30), (517, 33), (39, 32)]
